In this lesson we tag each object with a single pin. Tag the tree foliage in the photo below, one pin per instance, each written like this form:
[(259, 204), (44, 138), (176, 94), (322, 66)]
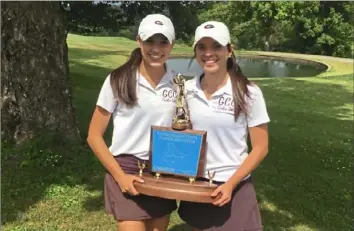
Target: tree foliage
[(297, 26), (306, 27)]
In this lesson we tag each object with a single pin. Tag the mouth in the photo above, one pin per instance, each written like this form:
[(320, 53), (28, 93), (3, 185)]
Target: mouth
[(210, 61), (155, 57)]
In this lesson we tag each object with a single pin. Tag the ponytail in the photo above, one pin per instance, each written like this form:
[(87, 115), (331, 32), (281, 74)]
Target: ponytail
[(239, 84), (192, 59), (123, 79)]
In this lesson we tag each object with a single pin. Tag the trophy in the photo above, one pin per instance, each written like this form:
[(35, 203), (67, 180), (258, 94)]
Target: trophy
[(177, 158), (181, 119)]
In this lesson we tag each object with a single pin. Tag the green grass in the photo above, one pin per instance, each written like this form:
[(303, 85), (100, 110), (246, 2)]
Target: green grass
[(304, 184)]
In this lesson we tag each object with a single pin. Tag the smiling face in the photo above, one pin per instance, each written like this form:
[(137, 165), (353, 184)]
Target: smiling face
[(155, 50), (211, 56)]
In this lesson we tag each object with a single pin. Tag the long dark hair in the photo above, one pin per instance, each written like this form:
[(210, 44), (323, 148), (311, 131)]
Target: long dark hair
[(123, 79), (239, 84)]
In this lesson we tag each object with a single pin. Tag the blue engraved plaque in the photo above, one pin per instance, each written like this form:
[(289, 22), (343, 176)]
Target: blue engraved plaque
[(176, 152)]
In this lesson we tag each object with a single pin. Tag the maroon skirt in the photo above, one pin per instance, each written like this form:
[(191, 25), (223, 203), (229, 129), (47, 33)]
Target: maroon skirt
[(125, 207), (240, 214)]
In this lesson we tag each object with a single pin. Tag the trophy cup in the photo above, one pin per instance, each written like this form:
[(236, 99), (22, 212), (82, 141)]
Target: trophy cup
[(177, 158)]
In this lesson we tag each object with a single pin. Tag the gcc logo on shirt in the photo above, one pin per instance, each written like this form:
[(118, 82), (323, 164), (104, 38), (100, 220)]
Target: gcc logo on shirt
[(169, 95), (224, 104)]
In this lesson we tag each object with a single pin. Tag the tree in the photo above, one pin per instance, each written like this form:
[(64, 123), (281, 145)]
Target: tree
[(183, 14), (93, 17), (184, 17), (316, 27), (36, 95)]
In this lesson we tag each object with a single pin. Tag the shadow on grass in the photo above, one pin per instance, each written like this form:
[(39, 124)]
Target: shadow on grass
[(86, 76), (28, 172), (304, 181), (87, 80), (79, 54)]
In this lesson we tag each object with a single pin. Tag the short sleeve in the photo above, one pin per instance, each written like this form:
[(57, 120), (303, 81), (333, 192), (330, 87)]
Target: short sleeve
[(258, 110), (106, 98)]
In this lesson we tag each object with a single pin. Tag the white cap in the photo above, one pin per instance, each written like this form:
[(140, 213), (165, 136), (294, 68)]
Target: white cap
[(215, 30), (156, 24)]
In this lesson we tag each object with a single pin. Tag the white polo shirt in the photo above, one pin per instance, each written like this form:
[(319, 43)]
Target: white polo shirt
[(226, 138), (131, 126)]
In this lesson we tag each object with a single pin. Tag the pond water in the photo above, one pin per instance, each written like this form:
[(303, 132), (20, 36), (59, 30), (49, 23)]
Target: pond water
[(255, 67)]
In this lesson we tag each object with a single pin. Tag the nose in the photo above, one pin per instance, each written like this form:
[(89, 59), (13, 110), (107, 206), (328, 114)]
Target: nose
[(208, 52), (156, 46)]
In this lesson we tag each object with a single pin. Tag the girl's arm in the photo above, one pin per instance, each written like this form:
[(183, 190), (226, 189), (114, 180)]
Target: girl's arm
[(98, 125), (259, 141)]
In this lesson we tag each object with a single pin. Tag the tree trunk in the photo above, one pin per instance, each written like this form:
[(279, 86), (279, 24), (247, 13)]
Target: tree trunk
[(36, 95)]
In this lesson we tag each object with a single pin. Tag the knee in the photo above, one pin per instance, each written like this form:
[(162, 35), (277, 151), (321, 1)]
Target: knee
[(158, 224)]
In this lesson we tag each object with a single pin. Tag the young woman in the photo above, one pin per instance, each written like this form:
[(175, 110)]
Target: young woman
[(229, 107), (136, 95)]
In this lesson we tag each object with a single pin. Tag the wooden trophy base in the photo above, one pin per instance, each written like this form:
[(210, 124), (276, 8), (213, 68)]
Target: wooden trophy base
[(172, 187)]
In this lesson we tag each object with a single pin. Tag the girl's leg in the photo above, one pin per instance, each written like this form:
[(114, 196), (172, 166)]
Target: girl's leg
[(131, 225), (158, 224), (242, 213), (135, 212)]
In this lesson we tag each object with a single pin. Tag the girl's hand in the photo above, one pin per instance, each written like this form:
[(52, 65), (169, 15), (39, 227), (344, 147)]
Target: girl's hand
[(126, 184), (225, 190)]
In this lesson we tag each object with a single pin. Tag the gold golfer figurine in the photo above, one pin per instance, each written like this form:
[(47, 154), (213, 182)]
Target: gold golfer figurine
[(181, 119), (211, 176), (191, 180), (141, 167), (157, 175)]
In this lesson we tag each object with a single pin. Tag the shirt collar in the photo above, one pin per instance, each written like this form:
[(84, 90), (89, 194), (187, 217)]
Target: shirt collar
[(193, 85), (167, 78), (227, 89)]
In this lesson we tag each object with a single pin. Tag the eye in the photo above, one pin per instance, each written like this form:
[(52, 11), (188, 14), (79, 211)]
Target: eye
[(164, 42), (200, 46), (217, 46)]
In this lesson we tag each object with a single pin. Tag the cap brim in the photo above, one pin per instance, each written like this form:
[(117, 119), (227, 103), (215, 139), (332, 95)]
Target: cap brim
[(148, 35), (221, 41)]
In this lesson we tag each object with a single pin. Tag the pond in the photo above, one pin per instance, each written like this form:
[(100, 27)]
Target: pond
[(255, 67)]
